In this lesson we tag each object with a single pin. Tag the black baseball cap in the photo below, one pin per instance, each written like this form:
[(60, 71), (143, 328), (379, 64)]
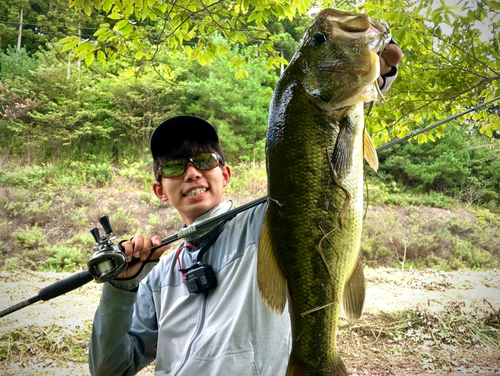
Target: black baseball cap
[(173, 131)]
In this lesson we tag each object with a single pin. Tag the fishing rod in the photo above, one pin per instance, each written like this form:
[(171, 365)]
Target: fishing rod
[(416, 133), (109, 260)]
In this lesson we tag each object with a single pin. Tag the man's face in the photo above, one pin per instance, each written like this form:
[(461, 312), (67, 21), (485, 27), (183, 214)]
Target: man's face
[(195, 192)]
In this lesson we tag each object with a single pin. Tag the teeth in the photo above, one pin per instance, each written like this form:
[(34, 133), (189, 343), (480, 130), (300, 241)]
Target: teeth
[(195, 192)]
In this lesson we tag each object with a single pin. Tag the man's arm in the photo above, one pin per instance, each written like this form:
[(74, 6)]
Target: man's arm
[(124, 332)]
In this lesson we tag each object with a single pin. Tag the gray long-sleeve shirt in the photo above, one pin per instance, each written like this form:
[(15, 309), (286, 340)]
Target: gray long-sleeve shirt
[(228, 331)]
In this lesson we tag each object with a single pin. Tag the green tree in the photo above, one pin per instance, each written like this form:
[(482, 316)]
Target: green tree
[(237, 108), (462, 164), (140, 29), (43, 21), (450, 63)]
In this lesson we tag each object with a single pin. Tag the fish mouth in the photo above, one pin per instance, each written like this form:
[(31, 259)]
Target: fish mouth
[(195, 191)]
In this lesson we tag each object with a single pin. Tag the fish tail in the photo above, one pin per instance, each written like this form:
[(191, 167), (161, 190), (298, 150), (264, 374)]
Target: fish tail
[(335, 369)]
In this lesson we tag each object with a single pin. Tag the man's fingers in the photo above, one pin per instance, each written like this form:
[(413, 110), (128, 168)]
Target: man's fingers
[(392, 54), (156, 241), (138, 242), (384, 67)]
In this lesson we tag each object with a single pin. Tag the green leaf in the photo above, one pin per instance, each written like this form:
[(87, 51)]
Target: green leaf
[(87, 9), (89, 58), (106, 5), (120, 24), (97, 4), (82, 49), (101, 57), (68, 39), (115, 15)]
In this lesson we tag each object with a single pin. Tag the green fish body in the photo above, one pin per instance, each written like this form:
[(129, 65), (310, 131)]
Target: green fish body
[(316, 140)]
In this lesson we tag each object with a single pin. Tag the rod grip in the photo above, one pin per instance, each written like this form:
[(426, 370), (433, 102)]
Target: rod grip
[(65, 285)]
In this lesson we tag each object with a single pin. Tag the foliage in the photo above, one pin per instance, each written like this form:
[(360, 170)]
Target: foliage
[(48, 343), (16, 63), (450, 64), (417, 237), (248, 178), (440, 75), (462, 164), (237, 108), (446, 328), (142, 29), (63, 259)]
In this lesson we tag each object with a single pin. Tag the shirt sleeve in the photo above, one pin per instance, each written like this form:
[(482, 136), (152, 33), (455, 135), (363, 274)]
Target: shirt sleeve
[(124, 333)]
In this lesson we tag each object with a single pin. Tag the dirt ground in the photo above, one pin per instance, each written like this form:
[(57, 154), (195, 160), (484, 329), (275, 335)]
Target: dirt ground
[(416, 322)]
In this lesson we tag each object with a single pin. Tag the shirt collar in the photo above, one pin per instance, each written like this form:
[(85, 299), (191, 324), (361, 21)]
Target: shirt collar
[(223, 207)]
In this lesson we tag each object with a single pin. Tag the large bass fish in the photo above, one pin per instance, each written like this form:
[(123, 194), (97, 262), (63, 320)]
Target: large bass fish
[(316, 139)]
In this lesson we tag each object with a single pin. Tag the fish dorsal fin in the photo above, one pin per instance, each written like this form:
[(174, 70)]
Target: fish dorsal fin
[(270, 278), (354, 293), (342, 153), (370, 151)]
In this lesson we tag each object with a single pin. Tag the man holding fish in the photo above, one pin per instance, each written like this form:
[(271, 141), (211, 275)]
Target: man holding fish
[(206, 309)]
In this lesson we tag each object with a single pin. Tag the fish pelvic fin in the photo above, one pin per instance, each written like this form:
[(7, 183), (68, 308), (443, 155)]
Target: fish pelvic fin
[(370, 151), (353, 298), (270, 278), (336, 369)]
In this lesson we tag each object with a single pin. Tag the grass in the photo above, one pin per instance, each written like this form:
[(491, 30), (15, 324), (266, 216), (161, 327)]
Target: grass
[(40, 344), (435, 329)]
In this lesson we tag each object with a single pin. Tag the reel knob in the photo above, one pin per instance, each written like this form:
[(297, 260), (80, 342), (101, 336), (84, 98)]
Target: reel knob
[(95, 233), (104, 221)]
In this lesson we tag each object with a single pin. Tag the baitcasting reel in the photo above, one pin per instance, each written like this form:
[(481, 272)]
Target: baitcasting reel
[(108, 259)]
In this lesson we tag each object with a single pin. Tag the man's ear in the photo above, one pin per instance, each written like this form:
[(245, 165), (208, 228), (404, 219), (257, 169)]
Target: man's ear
[(159, 191), (226, 176)]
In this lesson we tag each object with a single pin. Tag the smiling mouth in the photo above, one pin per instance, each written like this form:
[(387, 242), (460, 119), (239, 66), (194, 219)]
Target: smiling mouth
[(195, 192)]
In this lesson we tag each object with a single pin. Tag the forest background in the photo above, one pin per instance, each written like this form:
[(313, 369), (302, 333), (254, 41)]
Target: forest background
[(84, 86)]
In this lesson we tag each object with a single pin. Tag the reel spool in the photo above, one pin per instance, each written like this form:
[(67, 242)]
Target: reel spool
[(108, 259)]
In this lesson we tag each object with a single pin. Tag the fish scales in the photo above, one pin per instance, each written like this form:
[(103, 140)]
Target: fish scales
[(309, 247)]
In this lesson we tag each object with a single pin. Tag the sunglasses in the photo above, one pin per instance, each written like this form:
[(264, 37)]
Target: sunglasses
[(177, 167)]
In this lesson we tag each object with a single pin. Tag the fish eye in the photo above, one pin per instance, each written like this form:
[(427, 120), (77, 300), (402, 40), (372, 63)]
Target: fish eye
[(318, 38)]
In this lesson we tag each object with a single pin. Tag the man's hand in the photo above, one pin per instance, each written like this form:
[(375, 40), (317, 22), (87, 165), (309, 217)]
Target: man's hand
[(391, 56), (137, 251)]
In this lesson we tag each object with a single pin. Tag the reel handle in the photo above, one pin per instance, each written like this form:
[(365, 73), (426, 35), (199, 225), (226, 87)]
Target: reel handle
[(95, 233), (104, 221)]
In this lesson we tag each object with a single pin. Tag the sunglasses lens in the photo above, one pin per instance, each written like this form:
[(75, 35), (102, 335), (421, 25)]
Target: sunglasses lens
[(173, 168), (177, 167), (205, 161)]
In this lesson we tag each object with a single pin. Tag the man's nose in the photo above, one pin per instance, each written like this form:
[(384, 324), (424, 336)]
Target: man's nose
[(191, 172)]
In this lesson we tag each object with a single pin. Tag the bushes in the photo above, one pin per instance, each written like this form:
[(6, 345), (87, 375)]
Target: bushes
[(461, 165), (431, 238)]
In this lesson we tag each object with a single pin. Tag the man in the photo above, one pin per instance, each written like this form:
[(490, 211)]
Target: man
[(149, 314)]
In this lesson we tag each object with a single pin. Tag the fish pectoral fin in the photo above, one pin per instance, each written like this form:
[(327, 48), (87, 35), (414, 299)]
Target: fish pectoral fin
[(341, 158), (271, 280), (354, 293), (370, 151)]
